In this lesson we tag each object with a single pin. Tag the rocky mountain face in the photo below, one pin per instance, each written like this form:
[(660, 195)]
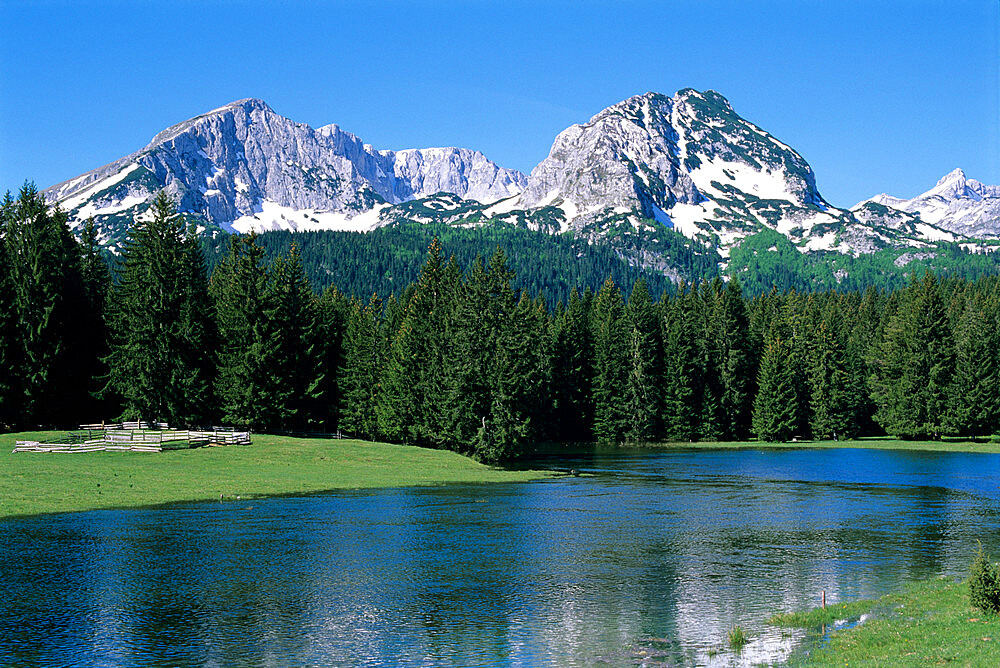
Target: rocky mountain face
[(963, 207), (243, 167), (635, 173), (691, 163)]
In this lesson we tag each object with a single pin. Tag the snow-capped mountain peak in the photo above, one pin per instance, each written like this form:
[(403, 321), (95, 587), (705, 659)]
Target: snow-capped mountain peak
[(962, 206), (243, 166)]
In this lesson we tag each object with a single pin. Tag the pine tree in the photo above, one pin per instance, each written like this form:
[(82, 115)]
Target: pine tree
[(10, 394), (239, 289), (610, 364), (93, 331), (333, 314), (975, 391), (359, 375), (482, 316), (712, 422), (519, 380), (775, 416), (645, 367), (159, 360), (573, 370), (47, 314), (294, 358), (413, 383), (683, 374), (914, 365), (730, 363)]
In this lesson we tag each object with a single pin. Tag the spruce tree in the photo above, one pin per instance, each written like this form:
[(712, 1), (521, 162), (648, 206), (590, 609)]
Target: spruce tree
[(519, 381), (610, 364), (294, 358), (95, 284), (730, 367), (359, 375), (914, 365), (573, 370), (9, 338), (159, 360), (645, 367), (333, 313), (239, 289), (482, 317), (775, 417), (683, 374), (413, 383), (975, 391), (50, 364)]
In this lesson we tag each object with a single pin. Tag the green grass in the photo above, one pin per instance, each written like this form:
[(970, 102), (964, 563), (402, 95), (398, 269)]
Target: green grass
[(738, 637), (33, 483), (929, 623)]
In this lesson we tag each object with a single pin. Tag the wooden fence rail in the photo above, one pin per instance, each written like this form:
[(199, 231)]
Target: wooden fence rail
[(135, 440)]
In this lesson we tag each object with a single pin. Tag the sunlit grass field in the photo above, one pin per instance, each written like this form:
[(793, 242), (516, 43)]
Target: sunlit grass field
[(32, 483), (929, 623)]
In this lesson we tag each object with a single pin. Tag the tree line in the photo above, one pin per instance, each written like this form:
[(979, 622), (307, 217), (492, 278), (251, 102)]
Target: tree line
[(460, 359)]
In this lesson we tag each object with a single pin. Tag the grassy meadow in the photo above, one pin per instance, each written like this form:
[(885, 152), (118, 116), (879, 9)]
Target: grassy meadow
[(929, 623), (33, 483)]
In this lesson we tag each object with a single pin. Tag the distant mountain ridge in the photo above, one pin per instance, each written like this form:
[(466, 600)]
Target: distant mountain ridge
[(965, 207), (631, 176), (243, 166)]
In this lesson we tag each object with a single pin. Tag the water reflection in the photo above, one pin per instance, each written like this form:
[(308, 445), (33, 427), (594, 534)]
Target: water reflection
[(651, 560)]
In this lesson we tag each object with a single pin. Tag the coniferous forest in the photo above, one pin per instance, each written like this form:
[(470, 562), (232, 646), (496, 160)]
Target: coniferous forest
[(460, 359)]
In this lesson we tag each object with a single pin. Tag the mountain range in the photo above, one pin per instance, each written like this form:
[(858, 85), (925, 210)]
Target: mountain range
[(647, 167)]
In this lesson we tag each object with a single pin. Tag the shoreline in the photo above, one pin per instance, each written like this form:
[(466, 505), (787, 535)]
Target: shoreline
[(275, 466), (868, 443), (33, 484), (928, 622)]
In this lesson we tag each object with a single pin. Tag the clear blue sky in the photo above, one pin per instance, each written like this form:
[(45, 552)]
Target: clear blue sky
[(876, 96)]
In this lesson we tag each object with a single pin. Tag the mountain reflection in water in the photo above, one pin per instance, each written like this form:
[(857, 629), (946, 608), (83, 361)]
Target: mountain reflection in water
[(651, 559)]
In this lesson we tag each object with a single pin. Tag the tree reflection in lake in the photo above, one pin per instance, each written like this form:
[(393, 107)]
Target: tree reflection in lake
[(657, 554)]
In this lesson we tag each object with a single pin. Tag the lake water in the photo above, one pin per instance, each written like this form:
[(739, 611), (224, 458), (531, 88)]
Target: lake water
[(648, 561)]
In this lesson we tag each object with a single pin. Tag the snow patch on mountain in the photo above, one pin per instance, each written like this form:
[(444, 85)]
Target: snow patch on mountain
[(270, 216), (958, 205)]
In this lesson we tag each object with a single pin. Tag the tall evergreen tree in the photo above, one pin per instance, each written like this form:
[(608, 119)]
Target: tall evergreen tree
[(333, 313), (645, 368), (10, 394), (573, 370), (915, 364), (683, 373), (975, 391), (482, 317), (239, 289), (519, 380), (93, 331), (732, 360), (295, 354), (413, 383), (48, 311), (610, 364), (159, 360), (775, 415), (832, 393), (359, 375)]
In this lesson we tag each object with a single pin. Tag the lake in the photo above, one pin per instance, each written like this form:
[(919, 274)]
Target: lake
[(649, 558)]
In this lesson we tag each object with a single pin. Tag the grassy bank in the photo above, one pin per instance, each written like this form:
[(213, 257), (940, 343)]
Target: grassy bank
[(32, 483), (876, 443), (929, 623)]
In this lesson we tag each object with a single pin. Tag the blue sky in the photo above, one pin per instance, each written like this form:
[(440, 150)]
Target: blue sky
[(876, 96)]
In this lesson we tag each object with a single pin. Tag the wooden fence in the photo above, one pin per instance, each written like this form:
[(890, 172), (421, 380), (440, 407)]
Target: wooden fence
[(135, 440)]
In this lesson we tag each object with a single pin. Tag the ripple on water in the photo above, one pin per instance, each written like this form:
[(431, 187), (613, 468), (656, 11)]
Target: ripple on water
[(650, 560)]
